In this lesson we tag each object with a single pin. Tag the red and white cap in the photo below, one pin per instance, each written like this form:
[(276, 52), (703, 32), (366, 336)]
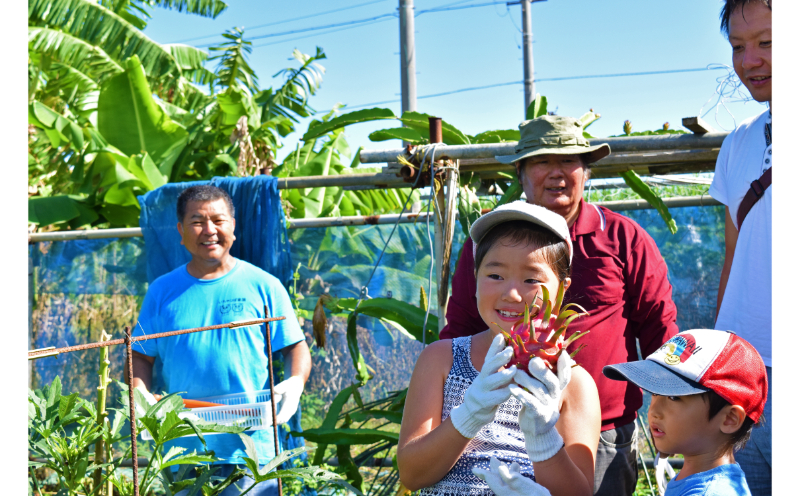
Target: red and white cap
[(700, 360)]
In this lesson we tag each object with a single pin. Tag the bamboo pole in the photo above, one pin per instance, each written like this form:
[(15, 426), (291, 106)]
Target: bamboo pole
[(136, 232), (625, 144)]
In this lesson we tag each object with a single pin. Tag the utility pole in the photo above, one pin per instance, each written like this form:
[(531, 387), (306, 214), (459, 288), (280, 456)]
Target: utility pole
[(527, 52), (408, 64)]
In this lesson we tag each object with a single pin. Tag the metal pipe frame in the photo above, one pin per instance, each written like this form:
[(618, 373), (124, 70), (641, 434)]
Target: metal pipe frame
[(136, 232)]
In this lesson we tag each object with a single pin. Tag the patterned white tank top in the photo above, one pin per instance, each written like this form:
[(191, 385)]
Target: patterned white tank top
[(502, 438)]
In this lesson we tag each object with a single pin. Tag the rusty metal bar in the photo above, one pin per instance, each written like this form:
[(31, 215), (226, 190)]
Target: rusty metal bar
[(100, 344), (132, 405), (268, 335)]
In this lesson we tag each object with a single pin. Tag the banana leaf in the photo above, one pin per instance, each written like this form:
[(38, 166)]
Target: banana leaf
[(406, 134), (129, 118), (419, 122), (365, 115)]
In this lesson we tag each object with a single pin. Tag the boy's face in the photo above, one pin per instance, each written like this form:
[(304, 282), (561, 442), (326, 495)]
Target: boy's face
[(680, 425)]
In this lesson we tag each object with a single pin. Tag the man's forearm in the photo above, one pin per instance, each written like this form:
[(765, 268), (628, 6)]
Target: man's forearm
[(142, 370), (731, 237)]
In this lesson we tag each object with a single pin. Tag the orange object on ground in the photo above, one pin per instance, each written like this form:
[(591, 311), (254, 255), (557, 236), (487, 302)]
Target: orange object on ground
[(193, 403)]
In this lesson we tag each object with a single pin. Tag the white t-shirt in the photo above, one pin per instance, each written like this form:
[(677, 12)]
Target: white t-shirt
[(747, 305)]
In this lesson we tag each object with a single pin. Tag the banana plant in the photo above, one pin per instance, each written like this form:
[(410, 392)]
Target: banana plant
[(86, 175)]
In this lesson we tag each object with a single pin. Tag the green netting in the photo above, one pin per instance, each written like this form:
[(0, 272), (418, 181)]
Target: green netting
[(85, 286)]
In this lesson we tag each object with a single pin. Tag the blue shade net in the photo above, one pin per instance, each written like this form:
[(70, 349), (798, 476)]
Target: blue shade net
[(83, 286)]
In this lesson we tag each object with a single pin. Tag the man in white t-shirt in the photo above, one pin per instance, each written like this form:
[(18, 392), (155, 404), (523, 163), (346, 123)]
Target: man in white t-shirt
[(745, 287)]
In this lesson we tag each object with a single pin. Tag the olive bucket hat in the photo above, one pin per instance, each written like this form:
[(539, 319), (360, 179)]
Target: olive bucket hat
[(550, 134)]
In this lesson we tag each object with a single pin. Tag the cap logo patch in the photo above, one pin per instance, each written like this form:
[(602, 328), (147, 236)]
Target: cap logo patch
[(679, 349)]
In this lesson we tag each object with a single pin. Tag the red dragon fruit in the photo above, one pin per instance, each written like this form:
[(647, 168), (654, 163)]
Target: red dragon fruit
[(549, 324)]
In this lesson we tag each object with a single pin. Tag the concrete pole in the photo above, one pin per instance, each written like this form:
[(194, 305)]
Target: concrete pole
[(527, 55), (408, 64)]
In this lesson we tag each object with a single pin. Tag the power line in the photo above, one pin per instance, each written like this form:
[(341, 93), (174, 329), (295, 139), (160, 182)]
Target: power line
[(317, 28), (287, 20), (356, 22), (318, 34), (567, 78)]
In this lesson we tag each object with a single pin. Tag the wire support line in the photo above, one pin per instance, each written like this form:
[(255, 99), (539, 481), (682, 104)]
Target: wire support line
[(710, 67), (102, 344), (315, 28), (286, 21)]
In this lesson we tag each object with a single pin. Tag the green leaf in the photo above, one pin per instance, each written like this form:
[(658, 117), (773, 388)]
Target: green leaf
[(129, 118), (395, 417), (342, 436), (103, 28), (121, 216), (403, 133), (190, 459), (642, 189), (364, 115), (46, 210), (469, 208), (233, 104), (588, 119), (513, 193), (497, 136), (537, 108), (419, 122), (205, 8), (398, 313), (362, 374), (349, 465)]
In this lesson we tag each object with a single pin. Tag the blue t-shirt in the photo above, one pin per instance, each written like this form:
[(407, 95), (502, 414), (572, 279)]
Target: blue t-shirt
[(220, 361), (725, 480)]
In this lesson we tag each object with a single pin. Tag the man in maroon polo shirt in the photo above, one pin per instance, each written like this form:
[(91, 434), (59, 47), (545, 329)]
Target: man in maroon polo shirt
[(618, 276)]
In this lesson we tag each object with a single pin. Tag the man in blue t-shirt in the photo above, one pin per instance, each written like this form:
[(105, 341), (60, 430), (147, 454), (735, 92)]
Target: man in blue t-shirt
[(216, 288)]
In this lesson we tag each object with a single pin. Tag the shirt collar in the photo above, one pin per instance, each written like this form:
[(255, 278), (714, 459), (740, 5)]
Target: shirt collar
[(590, 219)]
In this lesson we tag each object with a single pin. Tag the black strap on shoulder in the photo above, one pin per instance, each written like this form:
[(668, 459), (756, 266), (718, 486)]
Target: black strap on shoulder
[(756, 191)]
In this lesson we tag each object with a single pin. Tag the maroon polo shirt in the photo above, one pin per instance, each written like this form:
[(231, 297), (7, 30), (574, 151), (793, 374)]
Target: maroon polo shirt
[(620, 278)]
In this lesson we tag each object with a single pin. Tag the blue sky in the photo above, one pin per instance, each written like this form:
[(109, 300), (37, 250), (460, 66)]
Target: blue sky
[(482, 46)]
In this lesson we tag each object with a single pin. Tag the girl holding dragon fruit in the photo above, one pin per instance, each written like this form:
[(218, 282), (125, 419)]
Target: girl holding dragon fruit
[(507, 394)]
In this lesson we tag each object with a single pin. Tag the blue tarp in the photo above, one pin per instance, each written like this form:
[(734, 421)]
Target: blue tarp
[(261, 237)]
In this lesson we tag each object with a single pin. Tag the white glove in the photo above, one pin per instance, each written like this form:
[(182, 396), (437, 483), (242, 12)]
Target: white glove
[(486, 392), (506, 480), (540, 404), (287, 397)]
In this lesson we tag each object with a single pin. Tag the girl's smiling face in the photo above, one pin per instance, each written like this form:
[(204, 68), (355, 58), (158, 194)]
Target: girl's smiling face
[(509, 276)]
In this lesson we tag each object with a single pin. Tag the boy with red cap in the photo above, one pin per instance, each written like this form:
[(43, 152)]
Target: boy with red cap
[(709, 389)]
